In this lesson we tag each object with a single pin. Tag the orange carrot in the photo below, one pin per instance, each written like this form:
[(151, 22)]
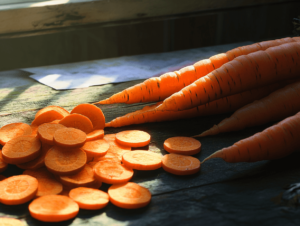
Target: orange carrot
[(17, 190), (96, 148), (46, 131), (3, 164), (59, 109), (53, 208), (277, 106), (89, 198), (182, 145), (95, 135), (13, 130), (255, 70), (69, 137), (180, 164), (47, 116), (142, 160), (6, 221), (274, 142), (115, 150), (78, 121), (129, 195), (133, 138)]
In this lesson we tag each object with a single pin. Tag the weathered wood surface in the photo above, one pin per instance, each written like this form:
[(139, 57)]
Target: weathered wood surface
[(220, 194)]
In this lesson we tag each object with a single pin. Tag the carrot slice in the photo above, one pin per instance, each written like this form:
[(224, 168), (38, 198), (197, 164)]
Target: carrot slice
[(180, 164), (13, 130), (182, 145), (93, 113), (34, 129), (53, 208), (78, 121), (17, 190), (95, 135), (110, 137), (69, 137), (6, 221), (59, 109), (129, 195), (112, 172), (96, 148), (21, 149), (47, 116), (62, 162), (133, 138), (3, 164), (142, 160), (46, 131), (89, 198)]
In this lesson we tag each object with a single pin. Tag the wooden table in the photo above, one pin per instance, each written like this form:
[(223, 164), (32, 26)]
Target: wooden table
[(220, 194)]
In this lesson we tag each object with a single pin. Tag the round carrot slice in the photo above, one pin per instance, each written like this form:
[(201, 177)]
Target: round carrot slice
[(59, 109), (61, 162), (110, 137), (69, 137), (182, 145), (142, 160), (53, 208), (3, 164), (6, 221), (78, 121), (180, 164), (17, 190), (13, 130), (93, 113), (95, 135), (112, 172), (129, 195), (21, 149), (47, 116), (46, 131), (96, 148), (89, 198), (133, 138)]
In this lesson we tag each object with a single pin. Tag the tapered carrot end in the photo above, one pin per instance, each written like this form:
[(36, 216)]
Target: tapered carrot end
[(106, 101), (212, 131), (217, 154)]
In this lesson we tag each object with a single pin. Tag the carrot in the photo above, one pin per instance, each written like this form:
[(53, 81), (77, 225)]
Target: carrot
[(129, 195), (115, 149), (6, 221), (274, 142), (69, 137), (34, 129), (109, 157), (96, 148), (142, 160), (278, 105), (46, 131), (110, 137), (13, 130), (78, 121), (133, 138), (59, 109), (47, 116), (255, 70), (220, 106), (95, 135), (93, 113), (3, 164), (18, 189), (112, 172), (159, 88), (64, 162), (89, 198), (21, 149), (180, 164), (182, 145), (53, 208)]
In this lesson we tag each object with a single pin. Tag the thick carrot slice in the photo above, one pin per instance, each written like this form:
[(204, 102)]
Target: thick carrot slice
[(69, 137), (3, 164), (129, 195), (13, 130), (78, 121), (180, 164), (142, 160), (21, 149), (62, 162), (89, 198), (53, 208), (47, 116), (46, 131), (95, 135), (6, 221), (96, 148), (182, 145), (112, 172), (59, 109), (17, 190), (93, 113), (133, 138)]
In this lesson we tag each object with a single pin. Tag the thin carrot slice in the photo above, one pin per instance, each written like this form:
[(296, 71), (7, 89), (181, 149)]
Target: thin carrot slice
[(109, 157), (142, 160), (89, 198), (21, 149), (133, 138), (34, 129), (59, 109), (53, 208), (112, 172), (69, 137), (95, 135), (96, 148), (6, 221), (13, 130), (46, 131), (93, 113), (55, 121), (78, 121), (63, 163), (17, 190), (182, 145), (129, 195), (117, 150), (180, 164), (3, 164), (47, 116), (110, 137)]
